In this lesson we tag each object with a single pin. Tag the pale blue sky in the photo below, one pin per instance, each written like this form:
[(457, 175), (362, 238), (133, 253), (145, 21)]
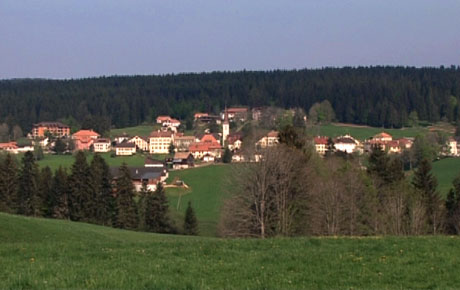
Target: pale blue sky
[(83, 38)]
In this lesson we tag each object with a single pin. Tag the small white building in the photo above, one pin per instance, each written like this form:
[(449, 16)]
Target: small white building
[(125, 149), (270, 140), (102, 145), (346, 144), (452, 144), (141, 143)]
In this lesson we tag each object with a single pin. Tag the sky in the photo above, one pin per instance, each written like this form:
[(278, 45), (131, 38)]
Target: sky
[(63, 39)]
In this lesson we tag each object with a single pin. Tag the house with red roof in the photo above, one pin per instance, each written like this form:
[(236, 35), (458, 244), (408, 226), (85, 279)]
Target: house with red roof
[(320, 144), (83, 139), (200, 149)]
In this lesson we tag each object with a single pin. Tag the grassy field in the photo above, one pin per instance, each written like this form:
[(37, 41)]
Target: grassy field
[(362, 133), (40, 253), (142, 130), (446, 170), (206, 191), (54, 161)]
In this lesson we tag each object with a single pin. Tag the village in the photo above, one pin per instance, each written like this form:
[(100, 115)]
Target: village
[(169, 148)]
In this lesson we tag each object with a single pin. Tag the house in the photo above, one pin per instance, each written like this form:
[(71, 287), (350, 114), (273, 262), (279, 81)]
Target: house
[(236, 114), (393, 147), (321, 144), (162, 119), (346, 144), (125, 149), (150, 176), (55, 128), (183, 160), (383, 137), (102, 145), (183, 142), (200, 149), (270, 140), (234, 141), (141, 143), (149, 162), (160, 142), (209, 118), (11, 147), (84, 139), (208, 158), (197, 116), (121, 138), (452, 146)]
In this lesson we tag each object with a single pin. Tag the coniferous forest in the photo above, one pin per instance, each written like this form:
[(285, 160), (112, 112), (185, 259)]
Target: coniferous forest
[(376, 96)]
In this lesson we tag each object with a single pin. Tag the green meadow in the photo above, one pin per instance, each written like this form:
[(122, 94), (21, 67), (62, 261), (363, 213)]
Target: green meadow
[(207, 188), (445, 171), (141, 130), (39, 253)]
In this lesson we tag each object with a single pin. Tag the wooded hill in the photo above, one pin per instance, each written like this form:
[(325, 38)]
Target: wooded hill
[(376, 96)]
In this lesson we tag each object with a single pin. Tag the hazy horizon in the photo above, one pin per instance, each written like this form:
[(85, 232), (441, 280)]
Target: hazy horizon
[(72, 39)]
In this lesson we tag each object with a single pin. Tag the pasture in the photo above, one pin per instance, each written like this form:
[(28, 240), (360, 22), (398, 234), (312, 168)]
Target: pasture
[(42, 253)]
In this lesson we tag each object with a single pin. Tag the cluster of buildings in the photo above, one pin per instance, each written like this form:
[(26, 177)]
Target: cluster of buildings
[(348, 144)]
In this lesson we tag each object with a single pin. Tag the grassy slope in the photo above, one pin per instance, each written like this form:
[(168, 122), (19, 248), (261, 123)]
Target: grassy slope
[(446, 170), (362, 133), (54, 161), (39, 253), (142, 130), (206, 192)]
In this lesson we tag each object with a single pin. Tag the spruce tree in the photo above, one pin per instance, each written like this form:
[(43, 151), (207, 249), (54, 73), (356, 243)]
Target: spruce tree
[(8, 184), (101, 188), (126, 216), (425, 182), (141, 205), (59, 146), (227, 157), (330, 149), (80, 194), (190, 222), (379, 165), (59, 198), (44, 188), (156, 212), (29, 202), (453, 208)]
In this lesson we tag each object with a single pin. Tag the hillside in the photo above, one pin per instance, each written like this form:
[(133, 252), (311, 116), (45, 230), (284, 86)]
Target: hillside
[(40, 253), (375, 96)]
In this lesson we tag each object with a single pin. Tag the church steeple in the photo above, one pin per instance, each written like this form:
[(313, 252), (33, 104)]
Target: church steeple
[(225, 128)]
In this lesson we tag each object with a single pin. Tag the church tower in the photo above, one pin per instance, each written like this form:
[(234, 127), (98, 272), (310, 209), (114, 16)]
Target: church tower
[(225, 128)]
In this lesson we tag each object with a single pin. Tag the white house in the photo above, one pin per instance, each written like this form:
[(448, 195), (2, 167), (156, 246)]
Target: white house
[(125, 149), (160, 142), (346, 144), (270, 140), (141, 143), (102, 145)]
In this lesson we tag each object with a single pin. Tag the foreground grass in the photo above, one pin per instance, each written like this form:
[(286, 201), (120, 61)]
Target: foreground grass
[(206, 191), (39, 253)]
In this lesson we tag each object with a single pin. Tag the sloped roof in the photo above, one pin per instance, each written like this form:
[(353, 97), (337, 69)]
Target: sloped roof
[(273, 134), (140, 172), (86, 133), (125, 144), (383, 135), (161, 134), (320, 140), (102, 140), (182, 155)]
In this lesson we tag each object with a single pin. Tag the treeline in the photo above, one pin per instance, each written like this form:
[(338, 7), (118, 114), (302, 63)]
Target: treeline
[(87, 194), (293, 192), (376, 96)]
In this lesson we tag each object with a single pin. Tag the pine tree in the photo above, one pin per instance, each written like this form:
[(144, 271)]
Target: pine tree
[(379, 165), (190, 222), (156, 212), (289, 136), (227, 157), (44, 188), (8, 184), (141, 205), (59, 146), (453, 208), (58, 200), (29, 202), (425, 182), (126, 216), (102, 211), (80, 194)]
